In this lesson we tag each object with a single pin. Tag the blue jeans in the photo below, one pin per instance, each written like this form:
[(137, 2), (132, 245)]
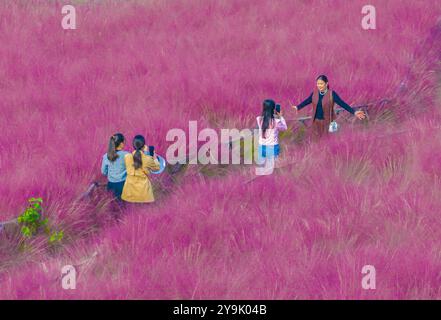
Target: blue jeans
[(268, 152), (116, 188)]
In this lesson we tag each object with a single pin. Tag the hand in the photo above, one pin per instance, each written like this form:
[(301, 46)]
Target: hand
[(360, 114), (279, 113), (296, 110)]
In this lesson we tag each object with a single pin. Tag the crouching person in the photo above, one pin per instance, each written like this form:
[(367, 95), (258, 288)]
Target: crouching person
[(113, 166), (138, 188)]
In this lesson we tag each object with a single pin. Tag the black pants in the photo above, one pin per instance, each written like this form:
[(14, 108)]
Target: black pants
[(116, 188)]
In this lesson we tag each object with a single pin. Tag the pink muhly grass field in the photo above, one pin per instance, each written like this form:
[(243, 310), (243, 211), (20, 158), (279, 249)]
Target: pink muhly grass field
[(369, 195)]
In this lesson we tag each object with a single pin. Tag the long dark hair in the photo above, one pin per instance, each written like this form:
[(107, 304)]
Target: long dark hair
[(323, 78), (267, 114), (138, 145), (115, 142)]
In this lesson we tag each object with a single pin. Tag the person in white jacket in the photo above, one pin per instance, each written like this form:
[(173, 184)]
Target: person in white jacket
[(270, 123)]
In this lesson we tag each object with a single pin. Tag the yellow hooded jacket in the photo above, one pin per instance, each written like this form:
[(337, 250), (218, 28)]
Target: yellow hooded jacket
[(138, 187)]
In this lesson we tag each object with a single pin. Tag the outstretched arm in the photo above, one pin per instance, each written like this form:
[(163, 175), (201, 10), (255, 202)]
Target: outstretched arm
[(359, 114), (341, 103), (305, 102)]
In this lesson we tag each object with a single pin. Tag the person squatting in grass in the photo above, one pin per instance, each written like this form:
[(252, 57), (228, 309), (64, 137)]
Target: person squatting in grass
[(113, 165), (322, 100), (139, 164), (270, 123)]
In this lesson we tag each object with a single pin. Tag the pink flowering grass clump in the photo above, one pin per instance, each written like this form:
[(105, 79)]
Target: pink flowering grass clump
[(367, 196)]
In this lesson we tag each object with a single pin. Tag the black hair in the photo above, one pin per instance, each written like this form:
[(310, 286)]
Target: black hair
[(267, 114), (115, 142), (323, 78), (138, 145)]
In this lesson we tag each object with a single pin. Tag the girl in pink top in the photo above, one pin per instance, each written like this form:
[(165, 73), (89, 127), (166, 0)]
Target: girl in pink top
[(269, 128)]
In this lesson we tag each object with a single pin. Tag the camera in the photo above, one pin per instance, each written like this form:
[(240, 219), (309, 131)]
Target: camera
[(152, 150)]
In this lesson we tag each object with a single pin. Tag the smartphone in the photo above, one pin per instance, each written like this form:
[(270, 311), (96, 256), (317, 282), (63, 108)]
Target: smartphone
[(152, 150), (278, 108)]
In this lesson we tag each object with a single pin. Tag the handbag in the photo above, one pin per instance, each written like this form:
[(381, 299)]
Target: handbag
[(333, 126)]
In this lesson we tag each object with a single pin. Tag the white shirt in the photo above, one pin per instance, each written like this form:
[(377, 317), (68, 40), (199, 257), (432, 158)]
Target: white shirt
[(272, 132)]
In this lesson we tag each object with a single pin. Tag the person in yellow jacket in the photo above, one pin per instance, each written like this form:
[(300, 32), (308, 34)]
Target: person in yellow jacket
[(138, 188)]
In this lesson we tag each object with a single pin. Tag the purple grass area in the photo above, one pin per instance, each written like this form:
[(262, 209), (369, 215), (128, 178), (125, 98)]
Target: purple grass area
[(369, 195)]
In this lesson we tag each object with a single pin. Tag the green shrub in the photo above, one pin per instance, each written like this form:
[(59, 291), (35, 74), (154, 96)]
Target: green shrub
[(32, 222)]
